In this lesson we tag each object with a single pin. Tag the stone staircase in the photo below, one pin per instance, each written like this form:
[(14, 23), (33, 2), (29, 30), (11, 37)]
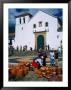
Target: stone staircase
[(24, 53)]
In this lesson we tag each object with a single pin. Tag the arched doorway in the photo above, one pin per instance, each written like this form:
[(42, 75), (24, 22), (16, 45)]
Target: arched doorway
[(40, 42)]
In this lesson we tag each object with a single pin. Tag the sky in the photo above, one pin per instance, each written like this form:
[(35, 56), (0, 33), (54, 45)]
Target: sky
[(14, 12)]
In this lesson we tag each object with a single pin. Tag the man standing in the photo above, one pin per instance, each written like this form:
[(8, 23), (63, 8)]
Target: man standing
[(52, 58), (44, 58), (48, 47)]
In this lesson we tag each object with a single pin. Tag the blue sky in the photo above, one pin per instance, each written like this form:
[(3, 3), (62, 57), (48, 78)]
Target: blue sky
[(15, 12)]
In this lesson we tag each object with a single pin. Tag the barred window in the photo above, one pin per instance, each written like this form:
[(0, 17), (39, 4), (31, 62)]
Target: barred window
[(57, 36), (34, 26), (46, 24), (20, 20), (24, 20), (40, 24)]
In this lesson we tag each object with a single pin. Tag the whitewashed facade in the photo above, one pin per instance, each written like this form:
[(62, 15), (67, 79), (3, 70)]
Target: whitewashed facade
[(24, 30)]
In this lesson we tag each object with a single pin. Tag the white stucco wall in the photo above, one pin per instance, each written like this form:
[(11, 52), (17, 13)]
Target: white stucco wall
[(26, 36)]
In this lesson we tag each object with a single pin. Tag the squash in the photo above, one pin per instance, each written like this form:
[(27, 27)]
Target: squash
[(20, 73), (14, 71), (47, 76)]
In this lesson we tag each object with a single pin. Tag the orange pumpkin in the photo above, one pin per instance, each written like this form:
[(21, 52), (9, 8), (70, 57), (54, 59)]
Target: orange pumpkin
[(25, 71), (13, 71), (43, 68), (48, 76), (44, 74), (21, 69), (20, 73)]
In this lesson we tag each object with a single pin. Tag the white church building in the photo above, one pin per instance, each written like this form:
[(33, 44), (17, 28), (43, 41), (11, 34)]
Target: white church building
[(37, 31)]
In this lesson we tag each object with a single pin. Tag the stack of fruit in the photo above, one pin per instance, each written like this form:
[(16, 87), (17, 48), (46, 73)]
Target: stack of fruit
[(38, 73), (19, 70), (47, 72)]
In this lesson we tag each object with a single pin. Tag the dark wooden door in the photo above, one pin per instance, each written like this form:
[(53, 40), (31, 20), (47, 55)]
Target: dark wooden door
[(40, 42)]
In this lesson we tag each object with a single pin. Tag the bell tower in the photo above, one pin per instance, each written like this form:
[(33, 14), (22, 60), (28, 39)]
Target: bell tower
[(21, 23)]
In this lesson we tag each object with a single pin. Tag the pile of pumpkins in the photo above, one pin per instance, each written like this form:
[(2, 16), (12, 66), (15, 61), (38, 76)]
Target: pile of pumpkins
[(47, 72), (19, 70), (23, 67)]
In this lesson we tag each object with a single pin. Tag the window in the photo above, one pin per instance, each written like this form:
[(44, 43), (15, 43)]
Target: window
[(57, 36), (34, 26), (46, 24), (22, 28), (40, 24), (20, 20), (61, 41), (59, 29), (24, 20)]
